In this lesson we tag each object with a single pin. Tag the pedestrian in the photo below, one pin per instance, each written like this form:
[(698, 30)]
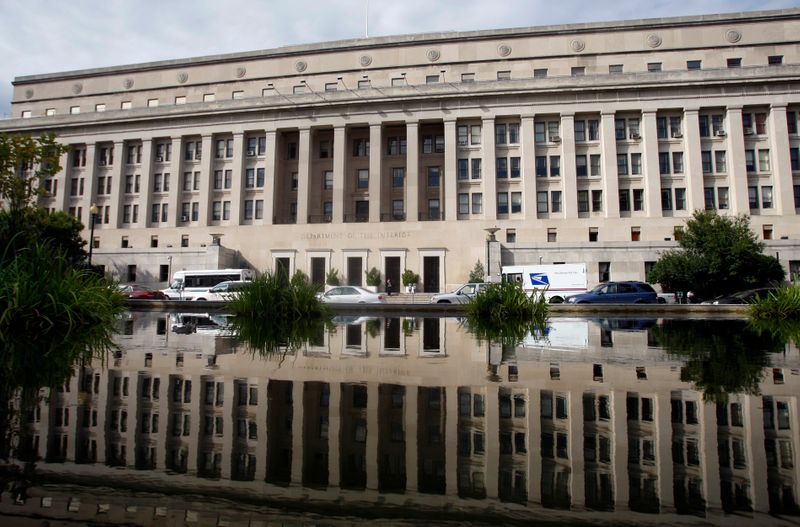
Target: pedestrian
[(690, 297), (388, 287)]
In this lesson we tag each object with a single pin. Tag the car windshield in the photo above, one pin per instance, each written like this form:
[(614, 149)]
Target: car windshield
[(599, 288)]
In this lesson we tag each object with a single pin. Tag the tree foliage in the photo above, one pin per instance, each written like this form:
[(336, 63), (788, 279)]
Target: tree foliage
[(718, 255), (477, 274), (24, 162)]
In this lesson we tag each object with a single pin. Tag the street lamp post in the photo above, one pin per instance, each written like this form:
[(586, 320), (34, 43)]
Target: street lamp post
[(489, 239), (93, 211)]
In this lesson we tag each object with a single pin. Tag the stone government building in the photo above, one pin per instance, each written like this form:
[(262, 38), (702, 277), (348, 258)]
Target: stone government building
[(581, 143)]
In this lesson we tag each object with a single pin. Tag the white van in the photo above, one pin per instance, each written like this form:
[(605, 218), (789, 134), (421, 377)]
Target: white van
[(555, 281), (187, 285)]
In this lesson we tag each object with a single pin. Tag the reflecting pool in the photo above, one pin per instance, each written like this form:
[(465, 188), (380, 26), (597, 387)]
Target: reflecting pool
[(412, 419)]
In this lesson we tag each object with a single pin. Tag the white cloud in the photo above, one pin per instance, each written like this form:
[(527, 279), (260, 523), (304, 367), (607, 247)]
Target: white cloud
[(40, 36)]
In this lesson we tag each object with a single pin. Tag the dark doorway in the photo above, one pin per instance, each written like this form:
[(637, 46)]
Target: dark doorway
[(355, 268), (318, 271), (282, 268), (430, 266), (392, 266)]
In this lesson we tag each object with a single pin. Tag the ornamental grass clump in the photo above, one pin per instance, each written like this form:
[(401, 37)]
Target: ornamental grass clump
[(782, 304), (506, 314), (273, 313)]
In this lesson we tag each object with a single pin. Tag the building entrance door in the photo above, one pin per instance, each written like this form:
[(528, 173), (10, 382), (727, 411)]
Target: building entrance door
[(391, 265), (355, 270), (430, 267), (318, 271)]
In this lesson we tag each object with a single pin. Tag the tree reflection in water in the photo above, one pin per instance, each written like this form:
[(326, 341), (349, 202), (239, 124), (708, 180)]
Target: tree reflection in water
[(722, 357)]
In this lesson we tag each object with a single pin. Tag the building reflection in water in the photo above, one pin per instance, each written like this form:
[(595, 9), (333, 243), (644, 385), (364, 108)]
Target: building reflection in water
[(593, 419)]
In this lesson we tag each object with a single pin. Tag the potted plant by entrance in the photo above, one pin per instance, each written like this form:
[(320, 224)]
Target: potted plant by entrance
[(373, 279), (410, 280), (331, 279)]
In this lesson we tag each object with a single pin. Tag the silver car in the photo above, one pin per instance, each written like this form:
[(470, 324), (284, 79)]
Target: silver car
[(462, 295), (222, 291), (350, 294)]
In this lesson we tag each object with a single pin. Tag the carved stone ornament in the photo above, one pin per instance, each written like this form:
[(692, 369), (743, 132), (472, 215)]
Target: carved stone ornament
[(733, 36), (504, 50), (365, 60), (183, 77), (128, 83), (433, 55), (577, 45), (77, 88), (300, 66), (653, 40), (28, 93), (241, 71)]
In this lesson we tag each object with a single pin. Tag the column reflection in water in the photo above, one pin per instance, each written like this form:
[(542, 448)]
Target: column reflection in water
[(551, 428)]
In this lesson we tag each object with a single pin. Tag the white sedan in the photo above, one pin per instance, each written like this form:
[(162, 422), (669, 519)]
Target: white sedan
[(350, 294)]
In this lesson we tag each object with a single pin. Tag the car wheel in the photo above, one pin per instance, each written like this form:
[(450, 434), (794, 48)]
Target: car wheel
[(200, 299), (556, 300), (661, 300), (443, 302), (167, 298), (583, 302)]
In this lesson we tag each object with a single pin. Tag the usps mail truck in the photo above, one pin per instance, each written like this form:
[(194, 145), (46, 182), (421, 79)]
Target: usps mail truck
[(556, 281)]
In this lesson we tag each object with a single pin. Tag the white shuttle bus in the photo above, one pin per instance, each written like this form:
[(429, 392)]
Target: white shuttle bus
[(555, 281), (186, 285)]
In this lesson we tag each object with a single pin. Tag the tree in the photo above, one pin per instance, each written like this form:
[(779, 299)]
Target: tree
[(25, 162), (718, 255), (477, 274)]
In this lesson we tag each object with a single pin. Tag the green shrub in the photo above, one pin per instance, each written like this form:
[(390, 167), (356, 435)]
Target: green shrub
[(783, 304), (269, 314), (410, 277), (373, 277), (477, 274), (332, 277), (505, 313)]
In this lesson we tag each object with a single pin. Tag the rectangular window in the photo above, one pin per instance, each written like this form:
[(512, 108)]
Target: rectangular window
[(735, 63), (476, 168), (705, 157), (463, 169), (594, 130), (763, 161), (638, 199), (467, 77), (708, 195), (619, 129), (594, 165), (722, 198), (661, 127), (433, 177), (539, 132), (720, 161), (752, 196), (624, 200), (794, 159), (259, 209), (398, 177), (226, 210), (540, 73), (750, 160), (680, 199), (694, 64), (583, 201), (431, 79), (513, 133), (555, 201), (462, 135), (581, 168), (597, 200), (541, 166), (791, 122), (555, 166), (666, 199), (463, 203), (516, 202), (636, 164), (578, 71), (477, 203), (615, 68), (622, 164), (766, 197), (504, 75), (363, 179), (653, 66), (677, 162), (580, 131), (502, 203), (500, 134), (502, 167), (514, 163), (541, 202), (248, 209), (475, 134)]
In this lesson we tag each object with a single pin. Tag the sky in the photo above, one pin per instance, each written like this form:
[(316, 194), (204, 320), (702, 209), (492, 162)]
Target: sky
[(40, 36)]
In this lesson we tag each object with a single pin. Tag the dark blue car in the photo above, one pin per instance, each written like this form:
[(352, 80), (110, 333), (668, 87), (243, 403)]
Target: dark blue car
[(617, 293)]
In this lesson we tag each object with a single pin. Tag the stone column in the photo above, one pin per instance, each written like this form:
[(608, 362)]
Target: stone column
[(489, 179), (270, 164), (371, 452), (412, 449), (62, 194), (90, 182), (303, 174), (451, 435), (117, 174), (175, 182), (534, 442), (608, 153), (297, 432), (528, 151), (375, 169), (650, 171), (163, 421), (229, 427), (339, 156), (146, 183), (695, 198), (782, 182), (709, 456), (237, 190), (619, 419), (334, 427), (450, 198), (577, 485), (663, 433), (262, 420), (206, 176), (737, 170), (569, 181), (492, 439), (412, 177), (756, 454)]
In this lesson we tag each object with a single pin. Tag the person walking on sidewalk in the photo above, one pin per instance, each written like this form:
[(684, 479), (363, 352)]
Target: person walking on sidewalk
[(388, 287)]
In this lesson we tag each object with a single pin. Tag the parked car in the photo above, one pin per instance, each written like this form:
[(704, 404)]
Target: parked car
[(743, 297), (138, 292), (461, 295), (667, 298), (350, 294), (223, 291), (617, 293)]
